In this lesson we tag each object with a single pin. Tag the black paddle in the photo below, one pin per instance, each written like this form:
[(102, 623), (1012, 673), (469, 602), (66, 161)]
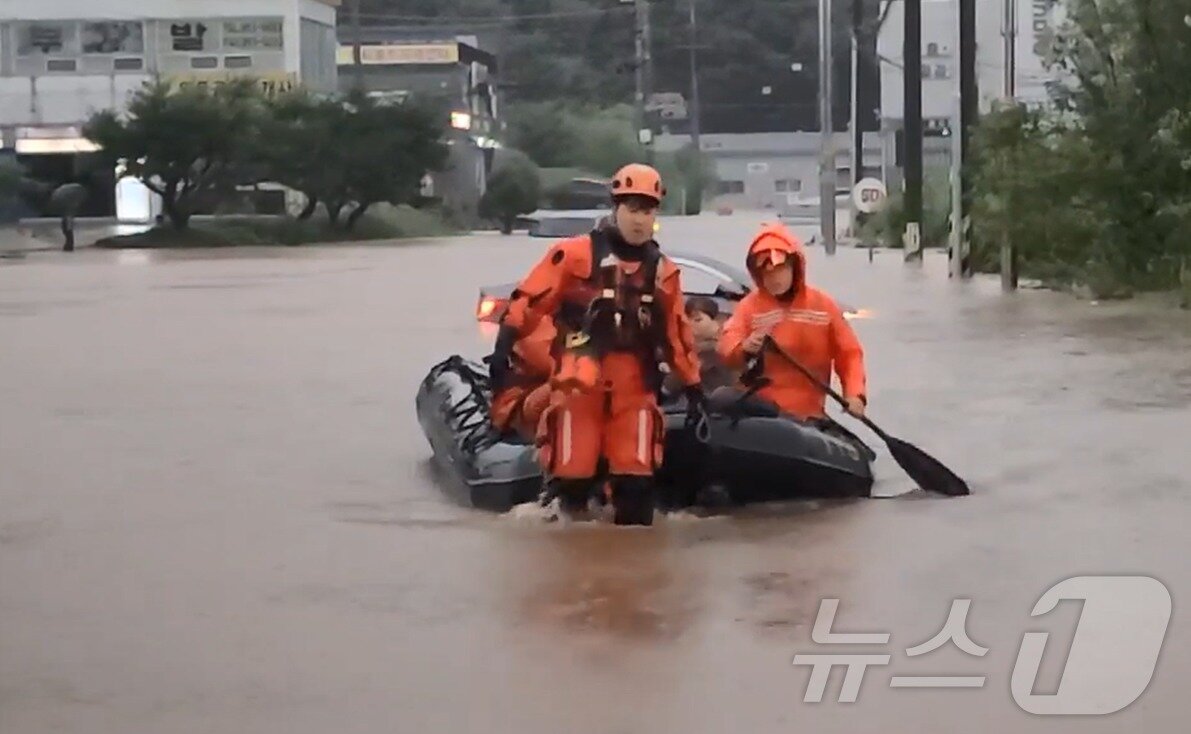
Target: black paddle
[(924, 469)]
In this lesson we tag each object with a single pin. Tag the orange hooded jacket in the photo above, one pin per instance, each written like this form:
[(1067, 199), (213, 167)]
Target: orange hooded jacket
[(810, 326)]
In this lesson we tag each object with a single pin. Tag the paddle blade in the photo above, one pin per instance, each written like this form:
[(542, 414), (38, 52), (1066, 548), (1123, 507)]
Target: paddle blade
[(927, 471)]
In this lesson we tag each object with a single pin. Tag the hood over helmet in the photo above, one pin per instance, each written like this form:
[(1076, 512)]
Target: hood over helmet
[(775, 244)]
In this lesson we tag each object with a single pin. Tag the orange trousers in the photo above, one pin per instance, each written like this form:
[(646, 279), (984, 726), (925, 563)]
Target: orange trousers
[(619, 422), (520, 409)]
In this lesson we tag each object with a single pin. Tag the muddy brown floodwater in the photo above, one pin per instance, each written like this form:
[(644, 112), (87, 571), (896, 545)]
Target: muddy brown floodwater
[(217, 511)]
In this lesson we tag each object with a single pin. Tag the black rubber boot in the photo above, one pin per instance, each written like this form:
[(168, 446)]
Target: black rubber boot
[(572, 494), (633, 500), (714, 496)]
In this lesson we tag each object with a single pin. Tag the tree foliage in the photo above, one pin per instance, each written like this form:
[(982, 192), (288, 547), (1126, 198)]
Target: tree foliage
[(582, 50), (514, 188), (188, 145), (585, 140), (193, 147), (1096, 186)]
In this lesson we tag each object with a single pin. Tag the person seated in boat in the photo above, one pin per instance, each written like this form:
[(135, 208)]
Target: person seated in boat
[(519, 402), (704, 314), (803, 321)]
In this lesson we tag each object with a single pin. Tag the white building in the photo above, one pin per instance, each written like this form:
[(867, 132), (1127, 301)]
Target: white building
[(1035, 24), (62, 60)]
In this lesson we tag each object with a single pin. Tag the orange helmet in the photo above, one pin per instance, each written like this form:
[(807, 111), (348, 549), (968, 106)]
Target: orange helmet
[(638, 179)]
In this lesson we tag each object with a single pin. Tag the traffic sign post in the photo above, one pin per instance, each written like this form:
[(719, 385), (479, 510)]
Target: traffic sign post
[(869, 195)]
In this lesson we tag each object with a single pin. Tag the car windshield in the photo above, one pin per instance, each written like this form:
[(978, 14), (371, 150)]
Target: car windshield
[(697, 278)]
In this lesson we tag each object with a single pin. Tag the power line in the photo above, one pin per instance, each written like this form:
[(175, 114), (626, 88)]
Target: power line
[(493, 19)]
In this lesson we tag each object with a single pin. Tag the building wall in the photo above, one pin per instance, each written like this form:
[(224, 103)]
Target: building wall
[(1036, 20), (940, 60), (318, 69), (444, 74), (63, 59), (772, 170)]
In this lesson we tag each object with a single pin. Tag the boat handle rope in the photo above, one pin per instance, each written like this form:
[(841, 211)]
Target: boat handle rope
[(703, 429)]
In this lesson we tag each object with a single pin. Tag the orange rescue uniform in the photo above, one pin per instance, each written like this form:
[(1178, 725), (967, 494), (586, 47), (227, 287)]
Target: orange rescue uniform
[(611, 411), (810, 326), (519, 406)]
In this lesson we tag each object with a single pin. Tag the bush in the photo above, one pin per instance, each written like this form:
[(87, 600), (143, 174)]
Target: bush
[(688, 174), (383, 222), (514, 188), (887, 227)]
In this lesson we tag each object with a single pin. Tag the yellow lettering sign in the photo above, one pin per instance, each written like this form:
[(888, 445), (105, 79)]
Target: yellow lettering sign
[(270, 84), (403, 53)]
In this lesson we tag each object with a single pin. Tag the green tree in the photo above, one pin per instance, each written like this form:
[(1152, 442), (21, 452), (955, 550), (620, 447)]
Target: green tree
[(382, 154), (352, 152), (544, 131), (302, 134), (582, 50), (693, 174), (514, 188), (1095, 187), (188, 145)]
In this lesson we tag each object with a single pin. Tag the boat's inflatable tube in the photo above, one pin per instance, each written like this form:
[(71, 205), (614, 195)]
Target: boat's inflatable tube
[(755, 458)]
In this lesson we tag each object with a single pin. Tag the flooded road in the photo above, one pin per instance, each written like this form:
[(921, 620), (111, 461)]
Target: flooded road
[(217, 511)]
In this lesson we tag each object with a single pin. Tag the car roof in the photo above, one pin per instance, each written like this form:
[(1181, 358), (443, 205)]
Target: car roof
[(680, 258), (734, 273)]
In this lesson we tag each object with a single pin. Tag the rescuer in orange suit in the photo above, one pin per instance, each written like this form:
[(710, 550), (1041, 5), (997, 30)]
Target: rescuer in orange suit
[(520, 401), (617, 304), (803, 320)]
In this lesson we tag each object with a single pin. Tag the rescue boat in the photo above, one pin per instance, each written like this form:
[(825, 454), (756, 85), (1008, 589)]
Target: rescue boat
[(752, 457)]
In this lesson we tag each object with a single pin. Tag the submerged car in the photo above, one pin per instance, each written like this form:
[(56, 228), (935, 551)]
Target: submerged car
[(701, 276)]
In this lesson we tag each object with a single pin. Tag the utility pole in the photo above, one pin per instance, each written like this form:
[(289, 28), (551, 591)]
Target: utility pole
[(827, 174), (912, 76), (643, 6), (639, 65), (357, 61), (644, 69), (857, 137), (857, 133), (968, 110), (694, 111), (1008, 255)]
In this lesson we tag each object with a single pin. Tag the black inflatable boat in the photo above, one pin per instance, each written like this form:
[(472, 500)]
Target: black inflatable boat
[(755, 458)]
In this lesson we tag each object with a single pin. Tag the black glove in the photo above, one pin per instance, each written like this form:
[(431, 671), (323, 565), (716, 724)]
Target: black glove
[(696, 403), (500, 362)]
